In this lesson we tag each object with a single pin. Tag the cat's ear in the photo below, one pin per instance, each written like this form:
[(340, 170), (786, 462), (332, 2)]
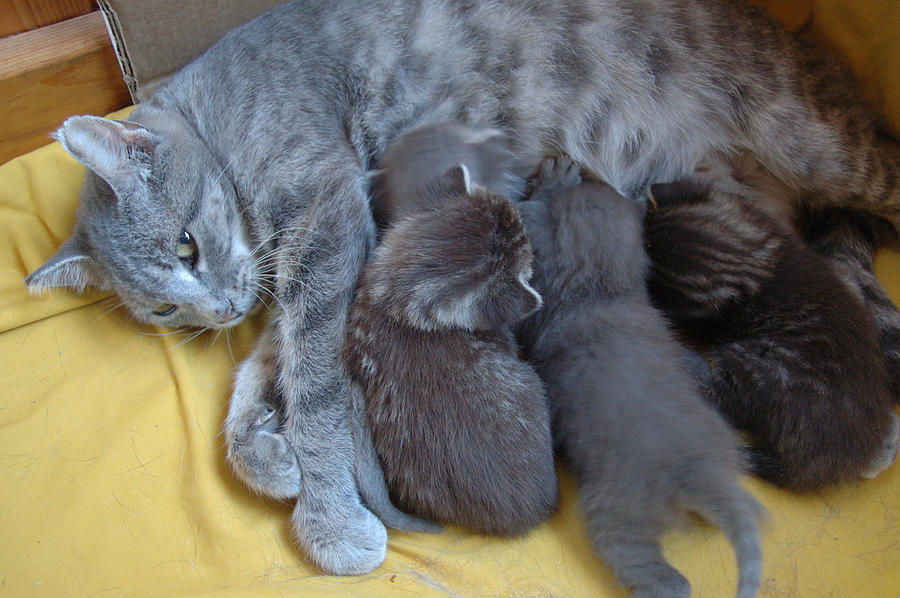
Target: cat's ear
[(518, 302), (454, 182), (70, 267), (118, 151)]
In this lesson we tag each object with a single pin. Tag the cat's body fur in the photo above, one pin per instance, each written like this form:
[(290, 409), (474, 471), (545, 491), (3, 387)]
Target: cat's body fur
[(460, 424), (794, 357), (627, 417), (272, 130)]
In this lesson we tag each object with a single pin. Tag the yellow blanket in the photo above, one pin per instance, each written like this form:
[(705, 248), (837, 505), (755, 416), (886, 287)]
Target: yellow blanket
[(113, 473)]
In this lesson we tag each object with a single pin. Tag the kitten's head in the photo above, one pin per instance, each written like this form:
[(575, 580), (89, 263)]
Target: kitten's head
[(158, 224), (465, 265)]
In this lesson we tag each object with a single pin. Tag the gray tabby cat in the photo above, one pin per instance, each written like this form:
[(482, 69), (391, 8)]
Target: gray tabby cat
[(627, 417), (247, 174)]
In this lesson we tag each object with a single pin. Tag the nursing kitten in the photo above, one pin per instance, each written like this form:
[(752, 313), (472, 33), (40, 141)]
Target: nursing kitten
[(849, 238), (247, 172), (794, 358), (644, 446), (418, 156), (460, 423)]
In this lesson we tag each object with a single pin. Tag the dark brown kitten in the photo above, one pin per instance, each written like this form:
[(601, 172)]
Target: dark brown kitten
[(794, 358), (460, 423), (628, 418)]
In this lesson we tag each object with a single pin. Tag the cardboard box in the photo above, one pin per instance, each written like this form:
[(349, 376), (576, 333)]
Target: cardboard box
[(152, 40)]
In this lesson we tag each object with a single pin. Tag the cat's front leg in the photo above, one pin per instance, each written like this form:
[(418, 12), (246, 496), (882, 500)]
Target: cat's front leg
[(314, 284), (258, 452)]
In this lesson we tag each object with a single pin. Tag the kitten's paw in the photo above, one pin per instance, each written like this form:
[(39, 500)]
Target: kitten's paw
[(260, 455), (556, 175), (352, 543), (888, 451)]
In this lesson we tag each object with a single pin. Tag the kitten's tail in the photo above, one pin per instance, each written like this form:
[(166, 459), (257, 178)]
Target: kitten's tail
[(734, 511), (370, 477)]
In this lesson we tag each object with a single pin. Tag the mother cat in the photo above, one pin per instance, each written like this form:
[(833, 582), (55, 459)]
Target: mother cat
[(248, 171)]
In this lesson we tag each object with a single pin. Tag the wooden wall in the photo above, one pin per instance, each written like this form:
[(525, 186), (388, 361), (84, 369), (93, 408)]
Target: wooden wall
[(56, 60), (17, 16)]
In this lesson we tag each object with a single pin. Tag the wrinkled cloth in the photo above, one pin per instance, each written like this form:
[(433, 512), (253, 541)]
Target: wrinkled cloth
[(113, 479)]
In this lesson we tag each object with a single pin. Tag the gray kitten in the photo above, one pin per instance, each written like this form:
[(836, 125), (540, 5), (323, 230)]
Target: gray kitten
[(246, 174), (644, 446), (460, 424), (413, 162)]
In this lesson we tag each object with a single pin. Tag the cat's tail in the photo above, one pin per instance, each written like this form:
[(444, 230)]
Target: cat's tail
[(370, 476), (734, 511)]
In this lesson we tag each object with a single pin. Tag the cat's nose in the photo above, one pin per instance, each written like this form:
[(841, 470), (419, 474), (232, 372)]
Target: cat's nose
[(229, 314)]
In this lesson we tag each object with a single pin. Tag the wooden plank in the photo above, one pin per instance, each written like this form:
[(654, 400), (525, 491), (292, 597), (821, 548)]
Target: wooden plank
[(21, 15), (54, 72)]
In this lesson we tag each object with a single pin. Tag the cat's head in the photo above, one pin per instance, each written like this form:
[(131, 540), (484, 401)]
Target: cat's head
[(465, 265), (158, 224)]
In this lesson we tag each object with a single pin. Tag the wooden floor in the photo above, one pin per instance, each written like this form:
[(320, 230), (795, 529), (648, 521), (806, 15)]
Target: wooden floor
[(52, 72)]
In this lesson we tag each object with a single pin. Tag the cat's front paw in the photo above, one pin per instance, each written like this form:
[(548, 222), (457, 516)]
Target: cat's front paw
[(556, 175), (260, 455), (348, 543)]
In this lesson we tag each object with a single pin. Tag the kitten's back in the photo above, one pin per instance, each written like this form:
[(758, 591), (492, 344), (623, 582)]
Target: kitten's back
[(796, 359), (615, 378)]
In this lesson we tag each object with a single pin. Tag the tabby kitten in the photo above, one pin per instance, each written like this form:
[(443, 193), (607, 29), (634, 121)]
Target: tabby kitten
[(849, 238), (260, 149), (459, 422), (795, 361), (627, 417)]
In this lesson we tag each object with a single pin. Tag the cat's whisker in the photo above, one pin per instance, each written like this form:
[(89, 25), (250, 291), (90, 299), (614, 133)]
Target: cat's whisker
[(188, 339), (230, 162), (215, 338), (293, 244), (261, 300), (270, 293), (228, 344), (288, 245), (276, 278), (116, 305), (161, 334)]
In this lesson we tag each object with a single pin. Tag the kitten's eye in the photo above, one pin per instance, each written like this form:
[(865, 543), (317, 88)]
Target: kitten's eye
[(186, 248), (165, 309)]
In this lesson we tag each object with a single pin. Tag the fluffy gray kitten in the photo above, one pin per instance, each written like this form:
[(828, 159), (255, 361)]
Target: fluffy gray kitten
[(460, 424), (246, 175), (627, 417)]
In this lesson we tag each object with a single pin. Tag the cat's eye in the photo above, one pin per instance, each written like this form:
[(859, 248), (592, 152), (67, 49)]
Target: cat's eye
[(186, 248), (165, 309)]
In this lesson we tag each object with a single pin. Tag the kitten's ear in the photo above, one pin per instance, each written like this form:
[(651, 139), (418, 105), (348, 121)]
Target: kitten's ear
[(70, 267), (118, 151), (507, 308), (456, 181)]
